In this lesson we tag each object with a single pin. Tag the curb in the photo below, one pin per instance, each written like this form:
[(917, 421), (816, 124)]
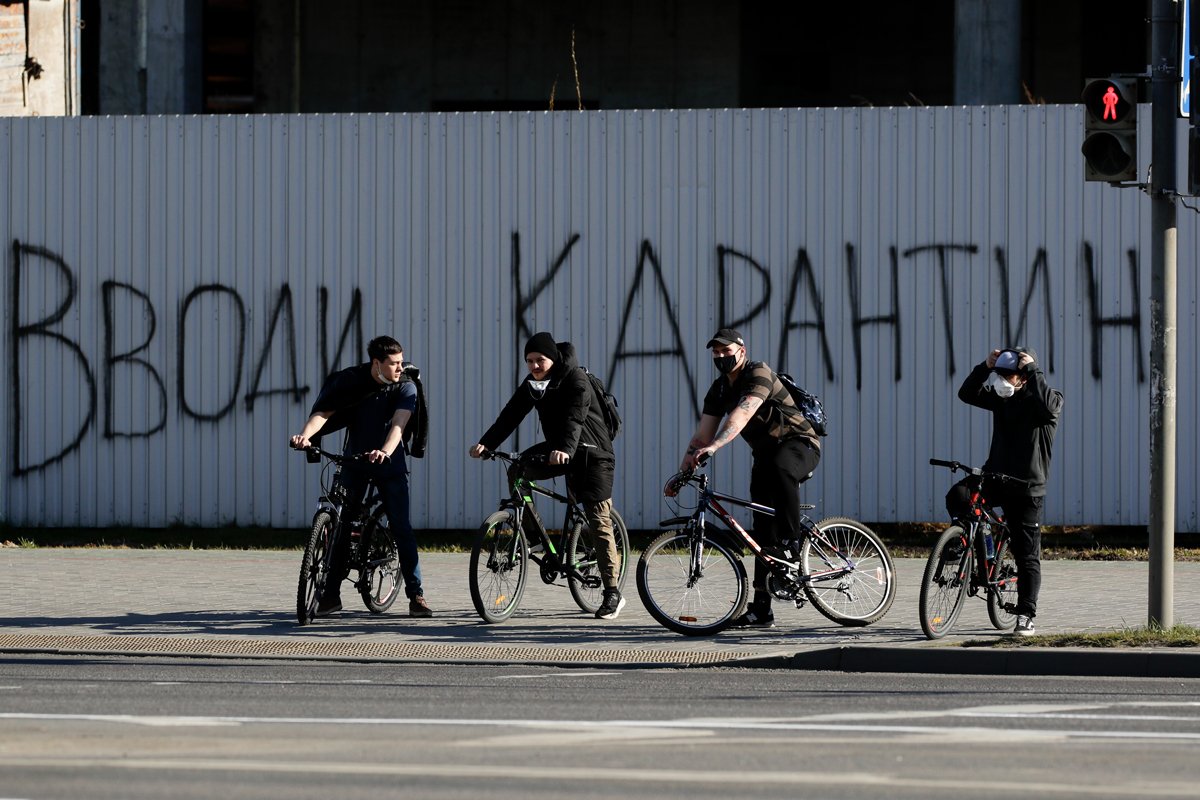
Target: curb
[(1088, 662)]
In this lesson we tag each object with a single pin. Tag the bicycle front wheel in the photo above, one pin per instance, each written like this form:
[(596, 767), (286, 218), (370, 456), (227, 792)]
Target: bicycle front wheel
[(499, 567), (691, 586), (944, 583), (314, 567), (379, 577), (1002, 589), (847, 571), (584, 578)]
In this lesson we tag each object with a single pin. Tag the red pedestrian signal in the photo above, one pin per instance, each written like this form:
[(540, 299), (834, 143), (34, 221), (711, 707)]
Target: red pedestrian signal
[(1110, 129)]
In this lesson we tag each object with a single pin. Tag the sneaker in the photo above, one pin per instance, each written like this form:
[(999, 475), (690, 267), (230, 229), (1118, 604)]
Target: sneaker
[(1024, 626), (754, 619), (417, 607), (612, 605), (328, 605)]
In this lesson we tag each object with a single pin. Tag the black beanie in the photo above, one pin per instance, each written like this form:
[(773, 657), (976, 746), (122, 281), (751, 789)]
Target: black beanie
[(542, 342)]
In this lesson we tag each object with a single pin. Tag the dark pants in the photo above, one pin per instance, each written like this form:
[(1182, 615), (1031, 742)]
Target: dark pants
[(393, 487), (1024, 516), (590, 480), (775, 479)]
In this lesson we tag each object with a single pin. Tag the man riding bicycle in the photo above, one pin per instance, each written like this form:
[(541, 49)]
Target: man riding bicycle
[(754, 403), (577, 445), (373, 402)]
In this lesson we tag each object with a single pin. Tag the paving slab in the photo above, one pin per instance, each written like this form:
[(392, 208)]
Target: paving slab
[(225, 603)]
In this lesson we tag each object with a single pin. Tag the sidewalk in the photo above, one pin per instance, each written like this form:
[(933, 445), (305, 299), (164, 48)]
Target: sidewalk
[(242, 603)]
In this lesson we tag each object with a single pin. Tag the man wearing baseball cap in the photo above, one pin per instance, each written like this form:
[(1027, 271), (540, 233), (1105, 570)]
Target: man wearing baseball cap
[(749, 400), (1025, 411)]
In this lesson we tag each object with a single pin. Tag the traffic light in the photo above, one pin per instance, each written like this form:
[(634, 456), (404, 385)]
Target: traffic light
[(1110, 129)]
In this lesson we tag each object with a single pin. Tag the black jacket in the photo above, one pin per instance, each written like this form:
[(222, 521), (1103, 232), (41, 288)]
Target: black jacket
[(1023, 425), (569, 410)]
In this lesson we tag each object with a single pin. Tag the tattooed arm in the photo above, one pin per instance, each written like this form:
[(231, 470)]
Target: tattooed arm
[(704, 434), (732, 426)]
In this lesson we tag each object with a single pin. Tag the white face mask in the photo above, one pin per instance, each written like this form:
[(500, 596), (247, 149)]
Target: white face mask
[(1001, 387), (538, 388), (384, 379)]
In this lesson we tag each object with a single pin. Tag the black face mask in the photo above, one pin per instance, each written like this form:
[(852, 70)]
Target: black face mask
[(725, 364)]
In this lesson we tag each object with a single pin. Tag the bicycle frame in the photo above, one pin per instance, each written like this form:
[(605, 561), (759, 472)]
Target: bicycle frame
[(709, 499), (334, 500), (985, 565), (979, 513), (520, 502)]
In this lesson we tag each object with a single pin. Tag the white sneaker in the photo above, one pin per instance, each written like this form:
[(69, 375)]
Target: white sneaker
[(1024, 626)]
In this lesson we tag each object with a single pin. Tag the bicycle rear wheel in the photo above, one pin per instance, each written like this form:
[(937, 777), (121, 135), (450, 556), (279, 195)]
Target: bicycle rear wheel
[(848, 572), (379, 578), (499, 567), (944, 582), (314, 567), (692, 587), (1003, 596), (584, 580)]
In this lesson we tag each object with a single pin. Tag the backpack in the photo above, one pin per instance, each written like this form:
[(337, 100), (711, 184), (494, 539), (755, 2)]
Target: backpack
[(416, 432), (608, 404), (809, 404)]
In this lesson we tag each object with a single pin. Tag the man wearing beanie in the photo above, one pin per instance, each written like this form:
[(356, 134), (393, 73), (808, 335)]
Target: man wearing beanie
[(577, 445)]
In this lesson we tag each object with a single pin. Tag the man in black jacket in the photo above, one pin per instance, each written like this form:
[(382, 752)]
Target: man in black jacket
[(577, 445), (1025, 412)]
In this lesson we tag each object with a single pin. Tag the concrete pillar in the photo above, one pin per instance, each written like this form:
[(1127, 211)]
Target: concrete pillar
[(150, 57), (987, 52)]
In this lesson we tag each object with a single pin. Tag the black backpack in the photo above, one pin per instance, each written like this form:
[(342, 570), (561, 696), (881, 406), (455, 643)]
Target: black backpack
[(416, 432), (608, 404), (809, 404)]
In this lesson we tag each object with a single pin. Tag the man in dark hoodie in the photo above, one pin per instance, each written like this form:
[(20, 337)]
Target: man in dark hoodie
[(577, 445), (1025, 412)]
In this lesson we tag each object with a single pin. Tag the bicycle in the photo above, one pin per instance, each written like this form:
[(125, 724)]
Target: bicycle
[(974, 554), (692, 579), (502, 553), (372, 551)]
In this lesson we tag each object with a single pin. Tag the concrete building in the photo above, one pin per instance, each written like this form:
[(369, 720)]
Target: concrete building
[(272, 56)]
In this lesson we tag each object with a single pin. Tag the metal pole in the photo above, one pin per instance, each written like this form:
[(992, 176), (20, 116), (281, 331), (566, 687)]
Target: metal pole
[(1164, 81)]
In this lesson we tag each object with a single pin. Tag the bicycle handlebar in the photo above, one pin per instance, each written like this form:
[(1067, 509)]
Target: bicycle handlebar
[(514, 458), (956, 466), (337, 458)]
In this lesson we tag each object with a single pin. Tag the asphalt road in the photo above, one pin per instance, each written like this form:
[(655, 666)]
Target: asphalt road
[(106, 727)]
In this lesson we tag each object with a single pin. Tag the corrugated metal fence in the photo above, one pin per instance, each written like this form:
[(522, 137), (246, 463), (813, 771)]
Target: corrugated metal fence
[(177, 287)]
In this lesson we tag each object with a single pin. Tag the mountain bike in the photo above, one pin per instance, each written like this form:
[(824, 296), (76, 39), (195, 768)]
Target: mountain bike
[(973, 555), (372, 551), (692, 580), (514, 537)]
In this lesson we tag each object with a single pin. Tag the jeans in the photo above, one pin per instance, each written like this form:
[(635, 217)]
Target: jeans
[(393, 487)]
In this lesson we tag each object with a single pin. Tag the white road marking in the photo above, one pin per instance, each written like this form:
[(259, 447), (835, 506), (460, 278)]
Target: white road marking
[(564, 674), (544, 773), (599, 725)]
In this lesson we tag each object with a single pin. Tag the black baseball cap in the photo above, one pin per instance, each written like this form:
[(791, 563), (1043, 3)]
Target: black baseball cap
[(725, 336)]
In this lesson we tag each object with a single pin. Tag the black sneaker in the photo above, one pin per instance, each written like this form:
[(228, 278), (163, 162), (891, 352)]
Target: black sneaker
[(328, 605), (754, 619), (612, 605)]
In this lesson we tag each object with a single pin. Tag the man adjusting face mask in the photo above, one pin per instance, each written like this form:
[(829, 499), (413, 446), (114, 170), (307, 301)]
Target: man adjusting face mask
[(1000, 386)]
